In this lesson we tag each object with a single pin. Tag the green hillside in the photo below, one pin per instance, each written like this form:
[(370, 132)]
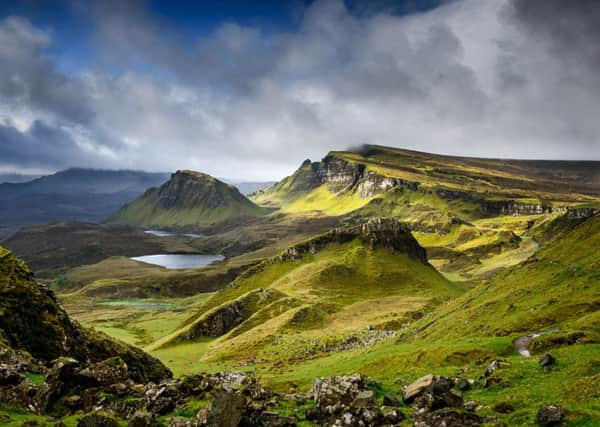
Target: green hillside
[(189, 200), (556, 288), (322, 290)]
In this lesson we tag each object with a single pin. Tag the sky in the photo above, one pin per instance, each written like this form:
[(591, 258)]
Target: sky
[(248, 90)]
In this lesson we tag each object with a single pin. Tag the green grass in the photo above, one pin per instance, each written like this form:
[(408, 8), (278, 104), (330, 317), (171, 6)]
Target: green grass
[(324, 200)]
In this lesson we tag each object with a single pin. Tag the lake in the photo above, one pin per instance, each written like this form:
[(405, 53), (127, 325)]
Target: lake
[(179, 261), (164, 233)]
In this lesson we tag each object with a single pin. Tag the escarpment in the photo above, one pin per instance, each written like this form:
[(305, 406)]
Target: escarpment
[(340, 175), (377, 232)]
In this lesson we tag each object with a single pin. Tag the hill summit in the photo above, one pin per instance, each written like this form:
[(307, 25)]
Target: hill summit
[(188, 200)]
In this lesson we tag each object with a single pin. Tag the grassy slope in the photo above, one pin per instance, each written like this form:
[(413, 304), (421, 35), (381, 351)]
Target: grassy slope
[(558, 286), (203, 201), (560, 181), (337, 288)]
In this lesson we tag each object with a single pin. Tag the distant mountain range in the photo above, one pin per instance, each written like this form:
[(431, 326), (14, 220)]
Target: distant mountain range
[(16, 178), (76, 194)]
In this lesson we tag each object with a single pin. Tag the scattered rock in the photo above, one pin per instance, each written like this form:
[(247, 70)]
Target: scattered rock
[(462, 384), (471, 406), (58, 380), (431, 401), (106, 372), (550, 415), (97, 420), (340, 389), (503, 408), (9, 375), (364, 398), (142, 419), (389, 400), (547, 361), (492, 367), (447, 418), (274, 419), (429, 383), (180, 422), (225, 409)]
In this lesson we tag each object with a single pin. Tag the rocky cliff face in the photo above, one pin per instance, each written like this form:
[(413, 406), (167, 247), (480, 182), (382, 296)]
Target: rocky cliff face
[(514, 207), (377, 232), (32, 322), (341, 175)]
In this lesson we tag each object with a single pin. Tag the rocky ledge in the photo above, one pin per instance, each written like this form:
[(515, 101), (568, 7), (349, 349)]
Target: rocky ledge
[(386, 233)]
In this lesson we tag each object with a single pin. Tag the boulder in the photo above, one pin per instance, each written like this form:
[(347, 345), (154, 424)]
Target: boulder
[(550, 415), (226, 409), (389, 400), (462, 384), (142, 419), (180, 422), (97, 420), (365, 398), (547, 361), (9, 375), (503, 408), (104, 373), (492, 367), (431, 400), (447, 418), (339, 389), (59, 379), (429, 383), (274, 419)]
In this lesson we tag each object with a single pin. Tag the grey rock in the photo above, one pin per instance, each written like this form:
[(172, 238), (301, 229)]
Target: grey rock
[(389, 400), (550, 415), (365, 398), (142, 419), (547, 361), (339, 389), (97, 420)]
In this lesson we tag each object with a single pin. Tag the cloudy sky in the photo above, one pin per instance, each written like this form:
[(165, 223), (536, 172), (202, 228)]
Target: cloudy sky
[(250, 89)]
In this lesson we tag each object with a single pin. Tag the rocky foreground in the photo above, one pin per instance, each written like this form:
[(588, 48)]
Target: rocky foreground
[(105, 394)]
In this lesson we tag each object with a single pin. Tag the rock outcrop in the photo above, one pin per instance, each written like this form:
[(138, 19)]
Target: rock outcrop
[(340, 175), (377, 232), (225, 318), (514, 207), (37, 335)]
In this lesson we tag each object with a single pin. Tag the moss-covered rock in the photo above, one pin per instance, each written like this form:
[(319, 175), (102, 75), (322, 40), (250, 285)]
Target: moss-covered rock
[(32, 320)]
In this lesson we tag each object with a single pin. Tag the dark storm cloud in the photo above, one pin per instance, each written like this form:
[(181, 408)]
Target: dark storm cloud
[(502, 78), (28, 79), (40, 147), (570, 28)]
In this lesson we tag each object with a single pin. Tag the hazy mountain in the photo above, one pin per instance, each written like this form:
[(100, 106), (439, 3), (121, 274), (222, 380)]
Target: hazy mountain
[(73, 194), (16, 178)]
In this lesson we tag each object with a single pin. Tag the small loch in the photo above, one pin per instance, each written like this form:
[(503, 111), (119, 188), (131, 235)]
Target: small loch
[(179, 261), (165, 233)]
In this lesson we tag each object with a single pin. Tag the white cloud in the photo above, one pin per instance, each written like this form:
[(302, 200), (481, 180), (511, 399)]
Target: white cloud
[(467, 78)]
